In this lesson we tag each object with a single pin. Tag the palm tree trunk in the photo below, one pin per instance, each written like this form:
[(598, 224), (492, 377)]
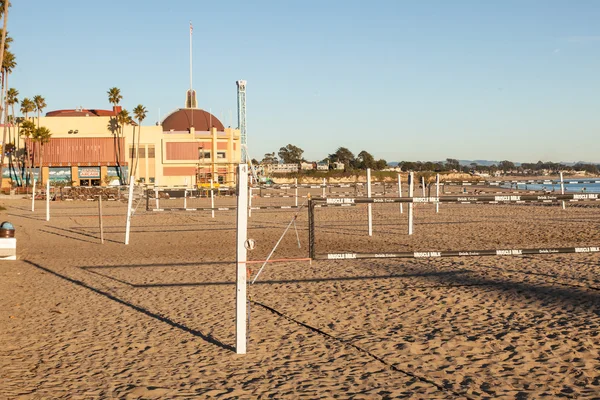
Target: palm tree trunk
[(5, 106), (4, 30)]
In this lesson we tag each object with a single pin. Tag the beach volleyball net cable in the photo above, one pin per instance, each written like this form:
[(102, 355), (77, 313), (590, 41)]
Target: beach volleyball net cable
[(341, 233)]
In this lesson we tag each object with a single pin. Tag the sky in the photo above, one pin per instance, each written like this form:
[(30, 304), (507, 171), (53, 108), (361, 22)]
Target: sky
[(404, 80)]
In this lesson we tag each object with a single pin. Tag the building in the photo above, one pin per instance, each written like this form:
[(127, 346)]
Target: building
[(87, 147), (307, 166), (322, 166), (281, 168)]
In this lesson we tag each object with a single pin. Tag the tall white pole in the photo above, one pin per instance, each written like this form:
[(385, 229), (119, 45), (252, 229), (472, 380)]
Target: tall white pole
[(411, 179), (241, 257), (562, 188), (33, 197), (369, 206), (437, 193), (400, 192), (296, 192), (48, 200), (250, 201), (324, 186), (100, 219), (212, 197), (423, 185), (129, 206), (156, 195)]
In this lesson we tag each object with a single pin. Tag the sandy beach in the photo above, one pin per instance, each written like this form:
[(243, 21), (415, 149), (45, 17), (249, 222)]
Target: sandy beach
[(156, 318)]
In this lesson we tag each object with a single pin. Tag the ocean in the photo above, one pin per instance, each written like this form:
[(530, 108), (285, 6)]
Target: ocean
[(569, 187)]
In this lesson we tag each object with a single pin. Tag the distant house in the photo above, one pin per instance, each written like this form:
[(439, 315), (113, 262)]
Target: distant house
[(307, 166), (339, 166), (281, 168), (323, 166)]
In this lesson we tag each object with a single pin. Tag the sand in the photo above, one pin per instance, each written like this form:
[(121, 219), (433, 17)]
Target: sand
[(156, 318)]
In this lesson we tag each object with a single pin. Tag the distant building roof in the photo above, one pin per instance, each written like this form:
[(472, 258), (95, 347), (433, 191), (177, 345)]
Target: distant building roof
[(81, 112), (184, 118)]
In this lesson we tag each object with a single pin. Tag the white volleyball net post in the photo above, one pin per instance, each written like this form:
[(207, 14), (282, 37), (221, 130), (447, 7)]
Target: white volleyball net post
[(324, 187), (48, 200), (423, 186), (129, 209), (100, 219), (562, 188), (33, 197), (400, 192), (437, 193), (369, 206), (296, 192), (212, 196), (411, 179), (241, 258)]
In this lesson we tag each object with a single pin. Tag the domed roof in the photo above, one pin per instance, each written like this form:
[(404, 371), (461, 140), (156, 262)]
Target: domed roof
[(184, 118)]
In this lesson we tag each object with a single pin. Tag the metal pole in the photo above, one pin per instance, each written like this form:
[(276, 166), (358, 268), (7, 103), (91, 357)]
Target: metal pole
[(411, 178), (156, 196), (400, 192), (311, 229), (242, 276), (437, 193), (185, 198), (100, 219), (296, 192), (250, 201), (129, 206), (48, 199), (33, 196), (369, 206), (212, 196), (324, 186), (423, 185), (562, 188)]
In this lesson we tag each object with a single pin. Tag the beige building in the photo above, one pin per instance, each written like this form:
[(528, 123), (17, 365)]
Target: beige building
[(190, 146)]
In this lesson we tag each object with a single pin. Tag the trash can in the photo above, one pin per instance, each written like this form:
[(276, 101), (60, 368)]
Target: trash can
[(7, 230)]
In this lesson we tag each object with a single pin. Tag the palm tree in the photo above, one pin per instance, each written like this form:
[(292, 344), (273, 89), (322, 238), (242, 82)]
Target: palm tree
[(11, 99), (27, 106), (140, 114), (27, 130), (123, 119), (5, 4), (114, 98), (42, 136), (40, 104)]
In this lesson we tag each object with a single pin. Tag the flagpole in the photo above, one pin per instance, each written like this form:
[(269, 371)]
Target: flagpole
[(191, 29)]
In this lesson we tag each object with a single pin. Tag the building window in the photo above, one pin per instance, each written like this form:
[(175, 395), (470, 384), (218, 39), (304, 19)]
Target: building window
[(150, 151), (131, 152), (142, 152), (203, 153), (221, 179), (151, 179), (220, 154)]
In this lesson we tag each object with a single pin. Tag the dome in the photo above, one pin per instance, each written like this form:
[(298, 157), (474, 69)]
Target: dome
[(181, 120)]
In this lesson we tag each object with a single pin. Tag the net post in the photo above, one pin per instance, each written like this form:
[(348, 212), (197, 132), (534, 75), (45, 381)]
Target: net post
[(33, 195), (311, 228), (48, 199), (437, 193), (296, 192), (400, 192), (562, 188), (369, 206), (212, 197), (241, 258), (147, 199), (411, 178)]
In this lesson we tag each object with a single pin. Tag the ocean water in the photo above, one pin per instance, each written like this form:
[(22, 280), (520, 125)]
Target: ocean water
[(569, 187)]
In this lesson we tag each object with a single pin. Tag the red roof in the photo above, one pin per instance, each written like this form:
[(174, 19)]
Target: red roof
[(81, 113)]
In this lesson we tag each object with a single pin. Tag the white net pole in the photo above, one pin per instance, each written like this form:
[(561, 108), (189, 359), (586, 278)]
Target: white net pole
[(437, 193), (562, 188), (411, 178), (369, 206), (129, 206), (241, 258), (33, 197), (400, 192), (48, 200)]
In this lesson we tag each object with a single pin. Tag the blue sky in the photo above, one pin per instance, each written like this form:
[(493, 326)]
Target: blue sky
[(404, 80)]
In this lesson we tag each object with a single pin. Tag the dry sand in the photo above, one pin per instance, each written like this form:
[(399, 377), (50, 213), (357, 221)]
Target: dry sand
[(156, 318)]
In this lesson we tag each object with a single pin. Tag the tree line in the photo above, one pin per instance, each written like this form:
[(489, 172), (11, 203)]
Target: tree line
[(291, 154)]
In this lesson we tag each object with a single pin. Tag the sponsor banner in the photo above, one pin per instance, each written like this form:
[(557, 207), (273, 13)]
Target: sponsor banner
[(340, 201), (89, 172), (460, 253)]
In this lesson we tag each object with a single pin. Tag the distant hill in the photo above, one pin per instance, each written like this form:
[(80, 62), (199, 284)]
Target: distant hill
[(487, 163)]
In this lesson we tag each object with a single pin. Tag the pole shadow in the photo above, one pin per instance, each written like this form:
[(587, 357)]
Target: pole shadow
[(208, 338)]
